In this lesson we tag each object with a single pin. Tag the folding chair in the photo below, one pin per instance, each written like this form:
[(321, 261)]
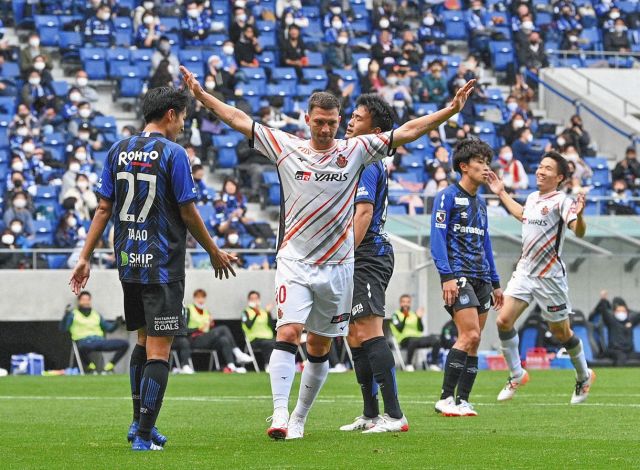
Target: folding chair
[(213, 357), (75, 355), (250, 352), (397, 353)]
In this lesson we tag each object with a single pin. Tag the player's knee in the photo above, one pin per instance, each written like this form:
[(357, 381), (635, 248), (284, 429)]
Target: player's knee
[(562, 335), (472, 339), (318, 345), (289, 334), (504, 323)]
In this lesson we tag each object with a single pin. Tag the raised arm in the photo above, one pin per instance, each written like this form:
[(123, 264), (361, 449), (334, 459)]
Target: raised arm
[(497, 187), (231, 116), (412, 130), (579, 225)]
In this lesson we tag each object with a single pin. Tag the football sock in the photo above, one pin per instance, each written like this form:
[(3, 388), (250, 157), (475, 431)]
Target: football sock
[(467, 378), (383, 366), (282, 370), (509, 346), (152, 387), (136, 366), (313, 378), (368, 386), (456, 360), (574, 348)]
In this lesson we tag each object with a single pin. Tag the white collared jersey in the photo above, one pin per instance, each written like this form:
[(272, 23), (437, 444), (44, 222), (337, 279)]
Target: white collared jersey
[(544, 223), (318, 190)]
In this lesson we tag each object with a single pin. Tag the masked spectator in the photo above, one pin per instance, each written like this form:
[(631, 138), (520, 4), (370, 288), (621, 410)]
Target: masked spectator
[(258, 327), (30, 52), (620, 323), (99, 30), (19, 211), (628, 169), (511, 171), (196, 25)]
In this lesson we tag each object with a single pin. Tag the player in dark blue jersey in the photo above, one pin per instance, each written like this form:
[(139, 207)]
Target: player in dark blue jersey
[(147, 185), (461, 249), (373, 360)]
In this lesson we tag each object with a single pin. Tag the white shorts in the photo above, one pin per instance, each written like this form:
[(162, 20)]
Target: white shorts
[(551, 293), (317, 296)]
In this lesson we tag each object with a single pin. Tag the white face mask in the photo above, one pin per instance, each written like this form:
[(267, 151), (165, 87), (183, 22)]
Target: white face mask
[(39, 66), (194, 13), (34, 81), (393, 81), (35, 43), (507, 157), (384, 23), (148, 20), (82, 81), (428, 20), (20, 203), (288, 20), (72, 222), (241, 18), (399, 104), (82, 156), (512, 106), (528, 25), (228, 50), (8, 239), (17, 166), (343, 40), (84, 136), (16, 228), (621, 316), (336, 24), (561, 141), (74, 167), (240, 4), (530, 138), (104, 16), (83, 185), (22, 131), (573, 38), (75, 97), (336, 10), (84, 113), (148, 5), (620, 29), (233, 238), (614, 15), (210, 85), (29, 147), (170, 69), (518, 123)]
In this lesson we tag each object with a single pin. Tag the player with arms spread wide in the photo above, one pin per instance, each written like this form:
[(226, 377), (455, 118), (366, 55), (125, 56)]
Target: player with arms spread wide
[(314, 278), (541, 274), (373, 360), (461, 250), (146, 183)]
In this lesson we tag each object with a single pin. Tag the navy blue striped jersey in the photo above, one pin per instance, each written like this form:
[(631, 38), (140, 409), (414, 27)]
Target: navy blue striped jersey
[(148, 177), (373, 188), (460, 243)]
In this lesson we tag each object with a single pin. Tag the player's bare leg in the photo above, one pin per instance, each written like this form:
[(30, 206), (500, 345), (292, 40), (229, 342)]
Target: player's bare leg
[(584, 376), (313, 378), (468, 325), (509, 313), (282, 370)]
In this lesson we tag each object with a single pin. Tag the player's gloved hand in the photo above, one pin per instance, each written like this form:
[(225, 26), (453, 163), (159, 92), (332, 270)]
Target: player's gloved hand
[(222, 263), (450, 291), (498, 299)]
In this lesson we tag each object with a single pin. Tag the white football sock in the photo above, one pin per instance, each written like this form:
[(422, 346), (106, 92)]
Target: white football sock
[(282, 370), (579, 361), (509, 345), (313, 378)]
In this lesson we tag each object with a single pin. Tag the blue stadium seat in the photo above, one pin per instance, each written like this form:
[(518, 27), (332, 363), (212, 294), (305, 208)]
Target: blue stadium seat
[(266, 26), (94, 62), (313, 32), (315, 59), (582, 333), (528, 340), (316, 75), (487, 132), (270, 177), (597, 163), (10, 70), (60, 88), (117, 59), (254, 260), (501, 55), (47, 192), (207, 212), (454, 25), (8, 105), (57, 261), (124, 31), (105, 124), (593, 38), (279, 74), (227, 141), (419, 144), (311, 12), (70, 43), (42, 226), (171, 24), (268, 59), (495, 96), (268, 41), (257, 73), (285, 89), (601, 178), (197, 68), (48, 27), (422, 109), (543, 18), (216, 39), (636, 338)]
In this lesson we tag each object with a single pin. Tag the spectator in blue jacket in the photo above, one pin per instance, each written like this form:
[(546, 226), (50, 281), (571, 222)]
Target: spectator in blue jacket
[(99, 30), (69, 231), (19, 211), (196, 25), (202, 191), (35, 94), (149, 31)]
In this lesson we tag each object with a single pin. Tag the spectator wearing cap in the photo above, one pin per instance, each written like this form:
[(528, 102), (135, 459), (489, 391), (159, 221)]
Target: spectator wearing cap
[(533, 57), (433, 85), (18, 183), (290, 17), (99, 30), (195, 25), (225, 79), (30, 52), (392, 87), (24, 118), (521, 35), (229, 63), (336, 12), (401, 112), (40, 65), (248, 48), (608, 21), (293, 51), (384, 50), (88, 92), (620, 202), (202, 191), (35, 94), (388, 16), (628, 169), (620, 322), (510, 131), (87, 138), (567, 18), (19, 211), (616, 39)]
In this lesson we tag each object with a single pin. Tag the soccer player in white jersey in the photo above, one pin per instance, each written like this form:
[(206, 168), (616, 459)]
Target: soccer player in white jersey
[(314, 277), (541, 274)]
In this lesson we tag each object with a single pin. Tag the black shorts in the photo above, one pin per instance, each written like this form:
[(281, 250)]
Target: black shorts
[(156, 307), (472, 293), (371, 276)]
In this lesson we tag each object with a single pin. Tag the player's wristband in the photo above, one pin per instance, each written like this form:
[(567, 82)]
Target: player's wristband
[(495, 284)]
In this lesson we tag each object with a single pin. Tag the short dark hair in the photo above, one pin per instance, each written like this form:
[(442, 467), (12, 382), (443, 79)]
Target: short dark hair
[(199, 292), (405, 296), (561, 164), (158, 101), (253, 292), (323, 100), (83, 293), (468, 148), (195, 168), (379, 110)]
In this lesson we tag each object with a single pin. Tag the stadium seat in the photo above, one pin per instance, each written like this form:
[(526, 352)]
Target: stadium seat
[(48, 27), (454, 25), (316, 75), (315, 59), (502, 55), (57, 261), (170, 24), (279, 74), (8, 107), (60, 88), (94, 62), (10, 70), (116, 59), (422, 109), (419, 144)]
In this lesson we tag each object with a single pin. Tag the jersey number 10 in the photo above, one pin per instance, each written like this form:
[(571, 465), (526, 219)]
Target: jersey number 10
[(131, 183)]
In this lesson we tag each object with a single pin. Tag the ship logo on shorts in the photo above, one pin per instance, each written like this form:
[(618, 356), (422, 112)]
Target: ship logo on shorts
[(341, 161), (545, 210)]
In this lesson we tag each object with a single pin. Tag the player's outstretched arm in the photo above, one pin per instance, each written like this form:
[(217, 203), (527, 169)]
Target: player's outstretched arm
[(220, 260), (497, 187), (80, 274), (231, 116), (579, 226), (411, 130)]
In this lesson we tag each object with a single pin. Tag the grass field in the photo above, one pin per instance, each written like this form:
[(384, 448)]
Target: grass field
[(218, 421)]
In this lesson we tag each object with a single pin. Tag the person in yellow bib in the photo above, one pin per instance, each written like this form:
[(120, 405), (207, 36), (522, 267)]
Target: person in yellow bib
[(88, 329), (257, 325), (205, 334)]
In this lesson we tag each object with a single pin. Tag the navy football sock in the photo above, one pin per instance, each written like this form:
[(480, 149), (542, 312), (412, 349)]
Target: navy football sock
[(467, 378), (136, 366), (383, 366), (364, 376), (453, 368), (153, 385)]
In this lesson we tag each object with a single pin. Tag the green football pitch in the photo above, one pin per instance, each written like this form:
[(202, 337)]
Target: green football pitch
[(218, 421)]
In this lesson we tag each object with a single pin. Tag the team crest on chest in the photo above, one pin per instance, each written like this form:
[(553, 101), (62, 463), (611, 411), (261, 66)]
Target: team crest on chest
[(341, 161), (545, 210)]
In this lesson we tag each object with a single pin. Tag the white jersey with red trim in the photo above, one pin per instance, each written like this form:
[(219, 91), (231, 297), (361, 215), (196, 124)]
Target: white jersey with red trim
[(544, 223), (318, 190)]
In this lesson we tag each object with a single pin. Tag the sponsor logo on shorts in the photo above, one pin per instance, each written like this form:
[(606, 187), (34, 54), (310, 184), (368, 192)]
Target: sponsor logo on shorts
[(137, 235), (461, 201), (356, 309), (303, 175), (464, 299), (166, 323), (340, 318), (341, 161), (136, 260), (556, 308), (280, 313)]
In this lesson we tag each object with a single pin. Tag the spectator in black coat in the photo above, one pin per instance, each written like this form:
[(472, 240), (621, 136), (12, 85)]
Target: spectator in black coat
[(580, 137), (533, 57), (628, 169), (248, 48), (620, 323), (616, 39)]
